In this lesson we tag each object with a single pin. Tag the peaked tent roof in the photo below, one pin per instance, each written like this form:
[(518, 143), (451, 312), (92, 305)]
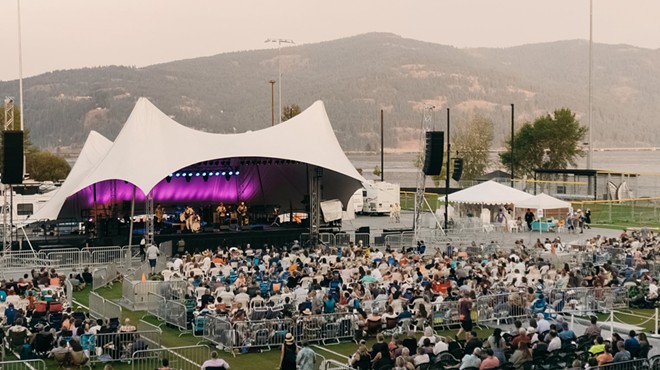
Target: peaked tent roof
[(489, 192), (543, 201), (95, 148), (306, 138)]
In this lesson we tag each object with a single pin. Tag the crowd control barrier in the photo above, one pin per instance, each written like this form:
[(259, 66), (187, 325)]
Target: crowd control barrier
[(244, 335), (102, 276), (35, 364), (180, 358), (170, 311), (108, 347), (101, 308), (135, 294)]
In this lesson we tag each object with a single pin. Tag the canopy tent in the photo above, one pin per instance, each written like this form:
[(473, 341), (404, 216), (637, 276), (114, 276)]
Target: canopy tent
[(488, 193), (153, 153), (542, 201), (95, 148)]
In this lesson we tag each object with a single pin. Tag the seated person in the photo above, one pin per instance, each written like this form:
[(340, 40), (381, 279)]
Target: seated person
[(127, 327)]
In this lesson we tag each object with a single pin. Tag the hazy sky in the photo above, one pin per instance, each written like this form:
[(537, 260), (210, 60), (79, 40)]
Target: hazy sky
[(63, 34)]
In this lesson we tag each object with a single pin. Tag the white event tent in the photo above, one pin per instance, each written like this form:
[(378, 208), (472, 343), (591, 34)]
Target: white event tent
[(543, 201), (488, 193), (151, 147)]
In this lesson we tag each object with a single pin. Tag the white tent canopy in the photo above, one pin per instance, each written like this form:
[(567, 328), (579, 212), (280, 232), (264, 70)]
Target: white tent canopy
[(94, 150), (542, 201), (139, 156), (489, 193)]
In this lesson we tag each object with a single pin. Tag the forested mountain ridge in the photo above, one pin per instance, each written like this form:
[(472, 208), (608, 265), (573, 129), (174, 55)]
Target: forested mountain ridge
[(356, 77)]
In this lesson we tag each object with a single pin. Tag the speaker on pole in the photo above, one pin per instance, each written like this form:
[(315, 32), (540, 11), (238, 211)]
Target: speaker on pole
[(12, 161), (435, 147), (458, 169)]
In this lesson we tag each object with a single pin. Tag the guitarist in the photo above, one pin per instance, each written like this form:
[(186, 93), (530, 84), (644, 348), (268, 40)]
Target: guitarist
[(221, 211), (242, 214)]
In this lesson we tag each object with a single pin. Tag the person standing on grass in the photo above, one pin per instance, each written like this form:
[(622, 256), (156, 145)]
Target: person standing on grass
[(289, 353), (152, 256), (306, 357), (215, 362)]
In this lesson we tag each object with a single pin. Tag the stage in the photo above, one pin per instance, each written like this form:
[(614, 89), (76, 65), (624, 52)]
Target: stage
[(117, 235)]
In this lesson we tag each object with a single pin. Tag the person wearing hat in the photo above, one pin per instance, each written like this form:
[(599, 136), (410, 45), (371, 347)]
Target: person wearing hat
[(289, 353)]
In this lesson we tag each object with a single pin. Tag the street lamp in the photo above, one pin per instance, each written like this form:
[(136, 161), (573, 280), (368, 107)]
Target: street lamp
[(272, 102), (279, 66)]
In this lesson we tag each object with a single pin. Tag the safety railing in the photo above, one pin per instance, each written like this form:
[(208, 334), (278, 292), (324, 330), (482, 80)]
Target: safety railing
[(68, 288), (181, 358), (135, 294), (445, 315), (172, 312), (637, 364), (219, 330), (102, 276), (108, 347), (330, 364), (101, 308), (501, 308), (342, 239), (145, 269), (34, 364), (244, 335)]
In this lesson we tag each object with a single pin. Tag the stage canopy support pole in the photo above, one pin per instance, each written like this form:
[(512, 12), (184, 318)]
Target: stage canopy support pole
[(315, 202), (149, 221), (421, 176), (7, 233)]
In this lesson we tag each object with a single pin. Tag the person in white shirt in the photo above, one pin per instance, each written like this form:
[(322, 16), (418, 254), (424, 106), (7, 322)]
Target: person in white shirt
[(152, 256), (542, 325), (555, 342), (440, 346), (653, 290)]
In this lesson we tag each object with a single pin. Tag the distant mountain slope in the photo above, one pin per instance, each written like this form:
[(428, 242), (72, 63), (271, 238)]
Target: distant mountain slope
[(356, 77)]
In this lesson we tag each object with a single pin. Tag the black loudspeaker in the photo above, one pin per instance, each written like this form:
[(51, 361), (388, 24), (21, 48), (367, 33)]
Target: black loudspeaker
[(12, 164), (458, 169), (435, 147)]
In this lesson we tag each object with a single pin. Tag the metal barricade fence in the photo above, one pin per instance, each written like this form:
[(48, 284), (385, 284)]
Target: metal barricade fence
[(361, 237), (180, 358), (637, 364), (494, 309), (135, 293), (176, 314), (66, 258), (327, 239), (68, 288), (107, 347), (145, 268), (106, 256), (586, 301), (445, 315), (156, 305), (102, 276), (219, 330), (101, 308), (393, 240), (35, 364), (334, 365), (342, 239)]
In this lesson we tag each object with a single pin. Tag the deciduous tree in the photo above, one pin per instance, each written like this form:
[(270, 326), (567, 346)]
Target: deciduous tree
[(551, 141)]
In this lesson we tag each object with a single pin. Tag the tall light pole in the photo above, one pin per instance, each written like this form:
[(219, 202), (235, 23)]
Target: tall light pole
[(20, 64), (279, 66), (591, 145), (272, 102)]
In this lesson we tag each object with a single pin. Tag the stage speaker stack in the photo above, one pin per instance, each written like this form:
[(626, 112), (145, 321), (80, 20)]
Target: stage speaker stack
[(12, 161), (435, 147)]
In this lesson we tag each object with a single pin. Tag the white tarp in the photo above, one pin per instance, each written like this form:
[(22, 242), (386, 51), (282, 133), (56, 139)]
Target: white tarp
[(543, 201), (489, 193), (331, 210), (95, 148)]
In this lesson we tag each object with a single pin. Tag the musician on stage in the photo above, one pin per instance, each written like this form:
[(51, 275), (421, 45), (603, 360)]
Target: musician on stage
[(242, 214), (188, 215), (221, 211), (159, 213)]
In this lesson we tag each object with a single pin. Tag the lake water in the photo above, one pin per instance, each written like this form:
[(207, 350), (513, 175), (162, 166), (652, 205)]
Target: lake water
[(399, 168)]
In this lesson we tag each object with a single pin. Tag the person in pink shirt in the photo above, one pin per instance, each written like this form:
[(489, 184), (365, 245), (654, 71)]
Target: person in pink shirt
[(490, 362)]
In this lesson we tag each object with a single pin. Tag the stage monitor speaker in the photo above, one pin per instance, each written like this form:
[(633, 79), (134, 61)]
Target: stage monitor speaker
[(435, 147), (12, 162), (457, 173)]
